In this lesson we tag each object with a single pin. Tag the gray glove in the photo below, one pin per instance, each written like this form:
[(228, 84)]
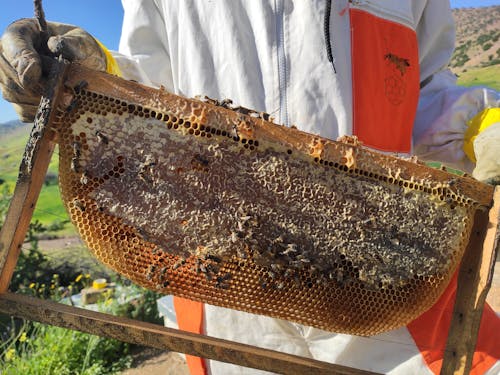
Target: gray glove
[(24, 63), (487, 151)]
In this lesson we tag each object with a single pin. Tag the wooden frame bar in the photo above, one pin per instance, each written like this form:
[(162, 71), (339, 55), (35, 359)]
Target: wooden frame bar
[(473, 283), (32, 171), (156, 336)]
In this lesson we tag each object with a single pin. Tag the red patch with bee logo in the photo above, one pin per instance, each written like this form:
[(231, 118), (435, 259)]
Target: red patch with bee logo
[(385, 77)]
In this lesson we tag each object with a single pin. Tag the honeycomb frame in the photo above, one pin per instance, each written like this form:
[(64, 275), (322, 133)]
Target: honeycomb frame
[(290, 283)]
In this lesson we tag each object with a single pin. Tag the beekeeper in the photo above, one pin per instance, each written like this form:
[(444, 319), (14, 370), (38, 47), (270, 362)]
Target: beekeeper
[(372, 68)]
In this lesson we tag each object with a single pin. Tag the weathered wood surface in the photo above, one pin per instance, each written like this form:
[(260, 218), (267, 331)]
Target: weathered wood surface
[(474, 281), (32, 173), (135, 332)]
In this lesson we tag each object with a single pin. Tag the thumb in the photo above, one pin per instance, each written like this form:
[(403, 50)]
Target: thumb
[(67, 46), (78, 45), (75, 44)]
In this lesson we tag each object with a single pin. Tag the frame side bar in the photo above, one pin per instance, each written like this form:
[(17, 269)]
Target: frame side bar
[(32, 173), (474, 281)]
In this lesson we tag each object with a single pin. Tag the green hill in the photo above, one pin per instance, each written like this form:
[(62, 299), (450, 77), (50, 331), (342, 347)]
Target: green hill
[(10, 126), (477, 38), (49, 209)]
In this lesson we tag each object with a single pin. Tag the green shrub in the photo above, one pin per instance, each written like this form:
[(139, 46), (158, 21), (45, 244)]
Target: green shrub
[(483, 38), (57, 225), (460, 59), (487, 46), (42, 349), (491, 62)]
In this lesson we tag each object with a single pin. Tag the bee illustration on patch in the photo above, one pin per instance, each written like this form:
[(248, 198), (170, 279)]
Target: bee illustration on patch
[(400, 63)]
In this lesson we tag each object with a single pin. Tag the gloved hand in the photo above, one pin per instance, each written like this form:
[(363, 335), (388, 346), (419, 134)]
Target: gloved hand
[(487, 151), (24, 63)]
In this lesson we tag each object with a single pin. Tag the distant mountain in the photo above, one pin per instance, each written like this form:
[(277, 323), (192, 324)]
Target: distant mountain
[(9, 126), (478, 38)]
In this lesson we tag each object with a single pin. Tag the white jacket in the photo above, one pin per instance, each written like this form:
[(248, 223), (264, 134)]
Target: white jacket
[(273, 56)]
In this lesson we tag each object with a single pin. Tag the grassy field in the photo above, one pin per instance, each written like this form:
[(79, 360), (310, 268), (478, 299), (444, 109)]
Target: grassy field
[(488, 76), (49, 209)]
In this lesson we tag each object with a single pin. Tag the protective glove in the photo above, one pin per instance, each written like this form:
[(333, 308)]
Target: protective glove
[(24, 63), (487, 152)]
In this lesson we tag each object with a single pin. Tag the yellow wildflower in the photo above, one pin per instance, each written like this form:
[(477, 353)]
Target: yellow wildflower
[(87, 275), (32, 285), (78, 278), (23, 337), (11, 353)]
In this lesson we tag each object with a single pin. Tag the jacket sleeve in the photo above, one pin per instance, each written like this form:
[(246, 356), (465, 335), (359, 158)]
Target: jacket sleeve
[(143, 52), (444, 108)]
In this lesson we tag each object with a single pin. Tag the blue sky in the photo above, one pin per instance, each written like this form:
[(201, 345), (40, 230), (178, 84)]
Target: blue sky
[(101, 18), (473, 3)]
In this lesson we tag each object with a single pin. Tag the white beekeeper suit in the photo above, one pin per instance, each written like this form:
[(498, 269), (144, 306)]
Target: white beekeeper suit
[(310, 64)]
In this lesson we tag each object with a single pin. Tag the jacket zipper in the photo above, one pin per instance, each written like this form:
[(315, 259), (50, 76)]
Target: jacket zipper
[(282, 66)]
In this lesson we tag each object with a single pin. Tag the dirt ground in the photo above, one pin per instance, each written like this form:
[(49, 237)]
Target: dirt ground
[(154, 362)]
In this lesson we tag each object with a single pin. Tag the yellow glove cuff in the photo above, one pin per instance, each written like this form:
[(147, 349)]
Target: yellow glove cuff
[(480, 122), (111, 64)]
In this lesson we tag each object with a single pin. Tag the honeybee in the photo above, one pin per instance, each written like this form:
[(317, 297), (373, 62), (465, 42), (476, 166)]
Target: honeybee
[(225, 103), (226, 277), (163, 272), (234, 133), (101, 137), (400, 63), (221, 281), (75, 165), (79, 205), (84, 178), (215, 258), (178, 263), (151, 268), (77, 149), (72, 106), (80, 86), (146, 169), (199, 163)]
